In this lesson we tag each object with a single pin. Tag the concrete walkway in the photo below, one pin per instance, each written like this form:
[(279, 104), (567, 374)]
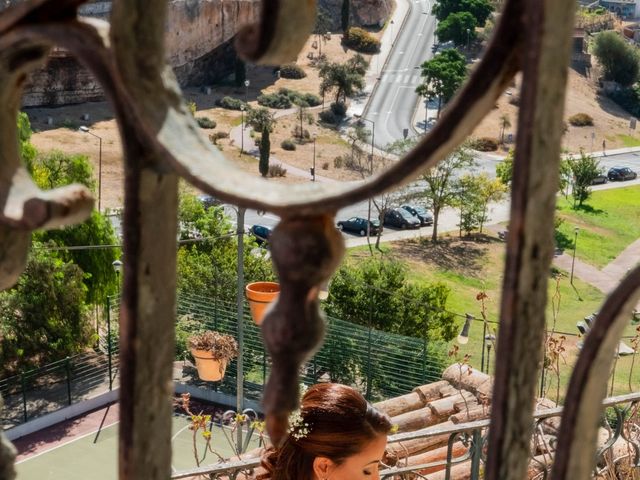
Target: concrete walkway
[(608, 278)]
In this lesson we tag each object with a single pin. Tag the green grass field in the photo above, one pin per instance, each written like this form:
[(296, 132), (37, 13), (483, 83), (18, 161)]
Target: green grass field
[(471, 267), (608, 223)]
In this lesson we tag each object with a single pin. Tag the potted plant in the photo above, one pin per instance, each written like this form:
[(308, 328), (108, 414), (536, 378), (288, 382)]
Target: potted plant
[(260, 295), (212, 352)]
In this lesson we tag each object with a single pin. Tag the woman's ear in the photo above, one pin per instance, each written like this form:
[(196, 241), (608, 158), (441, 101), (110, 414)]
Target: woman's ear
[(322, 467)]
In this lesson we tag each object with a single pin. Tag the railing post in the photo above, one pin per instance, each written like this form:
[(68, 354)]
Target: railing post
[(475, 455), (369, 375), (109, 349), (23, 383), (424, 362), (67, 366)]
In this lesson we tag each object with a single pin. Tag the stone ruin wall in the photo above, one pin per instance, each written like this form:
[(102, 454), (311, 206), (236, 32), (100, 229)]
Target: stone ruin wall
[(199, 45)]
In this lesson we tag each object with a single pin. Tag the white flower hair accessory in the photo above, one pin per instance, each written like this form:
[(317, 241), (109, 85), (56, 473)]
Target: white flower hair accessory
[(298, 428)]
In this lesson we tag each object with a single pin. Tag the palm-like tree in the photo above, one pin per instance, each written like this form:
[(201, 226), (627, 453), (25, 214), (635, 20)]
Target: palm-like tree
[(505, 122)]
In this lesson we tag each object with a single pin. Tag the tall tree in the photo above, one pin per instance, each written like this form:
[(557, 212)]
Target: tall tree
[(43, 318), (345, 15), (263, 121), (584, 170), (443, 76), (480, 9), (476, 192), (343, 78), (459, 28), (505, 122), (55, 169), (620, 61), (441, 189)]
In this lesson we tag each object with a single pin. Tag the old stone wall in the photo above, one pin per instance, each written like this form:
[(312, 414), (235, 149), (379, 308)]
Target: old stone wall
[(363, 13), (199, 46)]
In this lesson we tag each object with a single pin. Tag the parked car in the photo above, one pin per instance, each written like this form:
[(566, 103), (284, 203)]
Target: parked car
[(421, 213), (261, 233), (600, 179), (621, 173), (208, 201), (400, 218), (359, 225)]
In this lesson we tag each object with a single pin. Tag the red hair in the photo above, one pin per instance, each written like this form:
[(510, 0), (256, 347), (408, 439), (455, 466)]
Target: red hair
[(340, 424)]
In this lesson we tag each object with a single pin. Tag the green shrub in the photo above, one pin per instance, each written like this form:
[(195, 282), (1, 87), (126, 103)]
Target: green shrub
[(306, 135), (285, 98), (288, 145), (214, 137), (231, 103), (277, 171), (206, 122), (581, 120), (485, 144), (327, 116), (629, 99), (339, 109), (325, 166), (192, 108), (293, 71), (360, 40), (338, 162)]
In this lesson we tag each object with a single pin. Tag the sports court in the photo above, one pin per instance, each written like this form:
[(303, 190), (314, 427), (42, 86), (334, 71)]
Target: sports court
[(87, 448)]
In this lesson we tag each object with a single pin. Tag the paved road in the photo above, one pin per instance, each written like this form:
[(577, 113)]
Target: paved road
[(393, 104)]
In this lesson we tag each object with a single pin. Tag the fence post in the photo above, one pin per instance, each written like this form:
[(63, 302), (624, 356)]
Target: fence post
[(24, 395), (424, 362), (67, 365), (110, 365), (475, 455)]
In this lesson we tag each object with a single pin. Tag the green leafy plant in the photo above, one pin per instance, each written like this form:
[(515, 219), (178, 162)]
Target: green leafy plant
[(360, 40), (292, 71), (231, 103), (206, 122), (288, 145), (485, 144), (581, 120)]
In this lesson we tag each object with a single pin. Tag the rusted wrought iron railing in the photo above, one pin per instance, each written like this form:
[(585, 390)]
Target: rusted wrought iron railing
[(162, 143), (625, 426)]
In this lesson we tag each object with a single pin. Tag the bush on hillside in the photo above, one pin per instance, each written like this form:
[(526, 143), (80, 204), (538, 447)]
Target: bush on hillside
[(327, 116), (339, 109), (277, 171), (231, 103), (581, 120), (485, 144), (206, 122), (360, 40), (288, 145), (293, 71), (285, 98)]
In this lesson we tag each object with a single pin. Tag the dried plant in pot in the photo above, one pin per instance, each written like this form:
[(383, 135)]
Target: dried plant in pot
[(212, 352)]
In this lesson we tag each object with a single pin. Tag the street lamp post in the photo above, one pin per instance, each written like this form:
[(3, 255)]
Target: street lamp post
[(313, 169), (246, 90), (86, 130), (468, 33), (373, 132), (240, 306), (573, 261), (242, 107), (117, 266)]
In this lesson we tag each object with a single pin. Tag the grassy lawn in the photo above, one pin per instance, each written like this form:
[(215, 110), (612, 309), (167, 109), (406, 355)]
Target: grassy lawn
[(608, 223), (629, 140), (470, 267)]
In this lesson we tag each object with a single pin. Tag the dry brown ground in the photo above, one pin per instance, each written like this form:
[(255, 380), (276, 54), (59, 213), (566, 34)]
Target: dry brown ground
[(64, 135), (610, 121)]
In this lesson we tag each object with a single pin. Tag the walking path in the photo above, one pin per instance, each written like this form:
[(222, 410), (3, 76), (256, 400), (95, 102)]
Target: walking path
[(608, 278)]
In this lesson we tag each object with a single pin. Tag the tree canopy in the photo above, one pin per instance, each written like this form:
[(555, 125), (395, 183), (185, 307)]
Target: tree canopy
[(376, 292), (459, 28), (443, 76), (479, 9), (584, 169), (345, 79), (620, 61)]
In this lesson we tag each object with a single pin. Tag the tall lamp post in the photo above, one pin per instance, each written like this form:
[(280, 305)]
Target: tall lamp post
[(468, 33), (246, 90), (575, 243), (240, 211), (313, 168), (373, 132), (242, 107), (117, 266), (86, 130)]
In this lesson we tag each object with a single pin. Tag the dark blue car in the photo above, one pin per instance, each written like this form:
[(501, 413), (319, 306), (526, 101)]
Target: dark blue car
[(261, 234), (359, 225)]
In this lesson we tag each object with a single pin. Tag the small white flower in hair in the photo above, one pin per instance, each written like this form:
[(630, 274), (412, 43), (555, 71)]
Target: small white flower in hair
[(298, 428)]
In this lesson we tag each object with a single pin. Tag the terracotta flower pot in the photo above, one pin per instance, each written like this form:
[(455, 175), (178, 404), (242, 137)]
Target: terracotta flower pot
[(260, 295), (209, 369)]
